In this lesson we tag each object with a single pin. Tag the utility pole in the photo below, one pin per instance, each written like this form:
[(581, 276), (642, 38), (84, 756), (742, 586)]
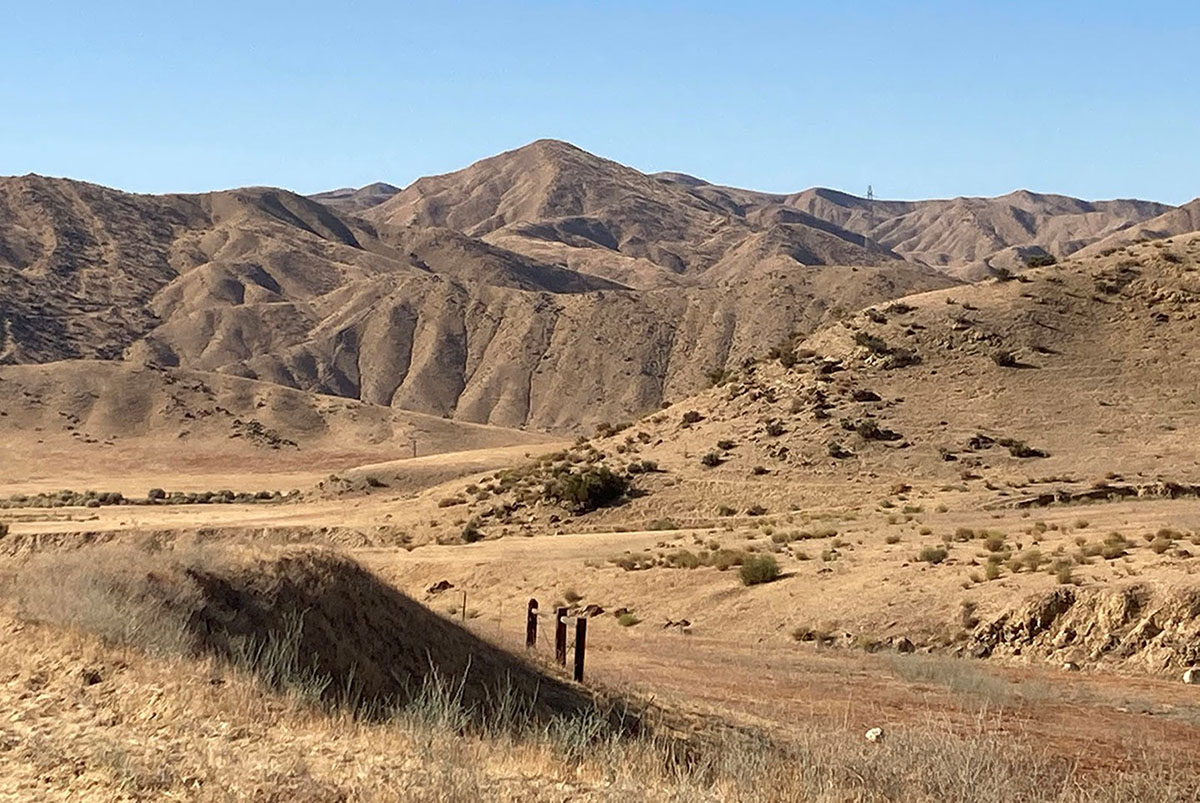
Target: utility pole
[(870, 216)]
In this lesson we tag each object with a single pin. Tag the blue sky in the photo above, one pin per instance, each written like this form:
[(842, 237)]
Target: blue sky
[(919, 99)]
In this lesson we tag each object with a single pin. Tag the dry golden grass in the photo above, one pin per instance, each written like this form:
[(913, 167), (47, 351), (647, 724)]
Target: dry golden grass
[(95, 716)]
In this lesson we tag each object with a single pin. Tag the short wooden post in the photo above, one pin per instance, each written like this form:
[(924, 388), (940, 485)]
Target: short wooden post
[(560, 636), (580, 646), (531, 625), (464, 607)]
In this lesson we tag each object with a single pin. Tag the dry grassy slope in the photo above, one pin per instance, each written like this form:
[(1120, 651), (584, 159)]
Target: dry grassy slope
[(961, 235), (1105, 383), (79, 265), (553, 198), (100, 411), (554, 362)]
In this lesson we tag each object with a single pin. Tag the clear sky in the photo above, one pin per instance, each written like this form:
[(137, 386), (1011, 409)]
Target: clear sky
[(919, 99)]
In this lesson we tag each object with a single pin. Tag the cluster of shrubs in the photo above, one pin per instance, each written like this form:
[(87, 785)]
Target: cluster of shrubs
[(606, 430), (1017, 448), (575, 479), (893, 356), (585, 489), (155, 496), (752, 568)]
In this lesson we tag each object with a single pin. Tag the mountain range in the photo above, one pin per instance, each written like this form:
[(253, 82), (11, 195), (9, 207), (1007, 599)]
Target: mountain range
[(544, 288)]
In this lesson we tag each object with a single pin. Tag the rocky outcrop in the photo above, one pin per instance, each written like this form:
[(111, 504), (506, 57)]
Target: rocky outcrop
[(1135, 626)]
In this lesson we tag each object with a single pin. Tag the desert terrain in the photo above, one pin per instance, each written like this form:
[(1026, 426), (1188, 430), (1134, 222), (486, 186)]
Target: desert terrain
[(279, 476)]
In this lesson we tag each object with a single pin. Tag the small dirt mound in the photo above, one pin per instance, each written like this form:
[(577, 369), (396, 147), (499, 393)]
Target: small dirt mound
[(1135, 626), (303, 612)]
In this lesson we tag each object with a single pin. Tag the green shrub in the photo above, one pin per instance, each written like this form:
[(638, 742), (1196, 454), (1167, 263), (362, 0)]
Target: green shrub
[(758, 569), (683, 559), (692, 417), (873, 344), (586, 489), (756, 510), (719, 376), (1032, 559), (627, 619), (711, 459), (933, 554), (724, 559), (725, 510), (1021, 449), (1063, 571), (1005, 358)]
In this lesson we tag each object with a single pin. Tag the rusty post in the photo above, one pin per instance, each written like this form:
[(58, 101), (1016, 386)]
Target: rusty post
[(560, 636), (531, 625), (580, 646)]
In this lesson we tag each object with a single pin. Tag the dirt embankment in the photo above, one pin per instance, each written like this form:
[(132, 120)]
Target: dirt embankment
[(1133, 627), (300, 616)]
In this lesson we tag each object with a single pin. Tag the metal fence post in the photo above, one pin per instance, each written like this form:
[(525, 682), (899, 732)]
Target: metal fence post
[(580, 646), (531, 624)]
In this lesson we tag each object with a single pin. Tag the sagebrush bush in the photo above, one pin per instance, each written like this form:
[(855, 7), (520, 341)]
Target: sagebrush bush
[(933, 554), (758, 569), (724, 559)]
